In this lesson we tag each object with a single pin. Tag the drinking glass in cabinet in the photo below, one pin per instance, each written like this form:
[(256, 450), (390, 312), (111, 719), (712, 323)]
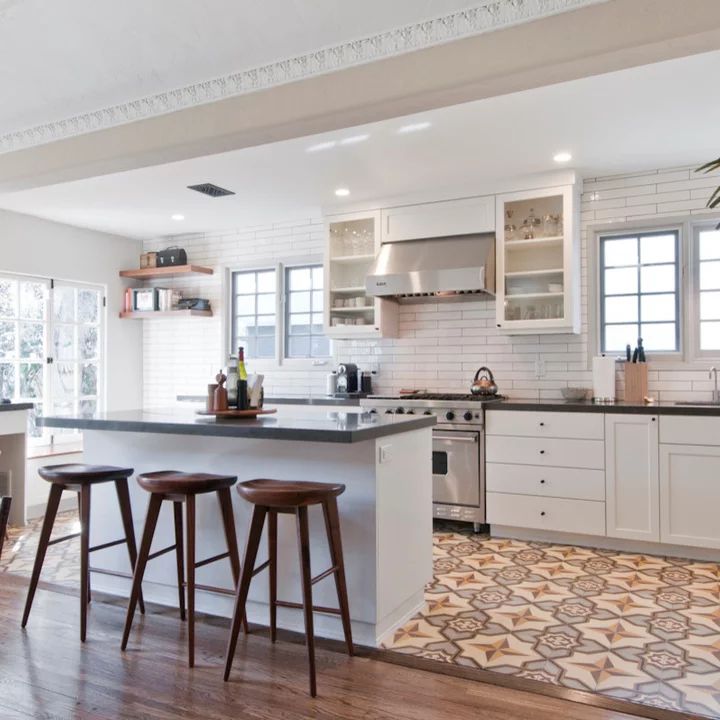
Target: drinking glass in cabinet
[(510, 229)]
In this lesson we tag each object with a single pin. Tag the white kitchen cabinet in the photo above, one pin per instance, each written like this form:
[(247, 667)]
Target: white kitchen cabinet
[(690, 494), (352, 243), (538, 261), (439, 219), (631, 476)]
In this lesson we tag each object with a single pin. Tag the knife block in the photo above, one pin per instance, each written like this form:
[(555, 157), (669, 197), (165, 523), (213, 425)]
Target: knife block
[(636, 382)]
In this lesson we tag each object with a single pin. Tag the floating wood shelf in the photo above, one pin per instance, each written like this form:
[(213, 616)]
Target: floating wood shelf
[(168, 271), (153, 314)]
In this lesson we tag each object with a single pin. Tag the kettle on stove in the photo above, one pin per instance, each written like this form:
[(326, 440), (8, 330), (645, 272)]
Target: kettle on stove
[(484, 383)]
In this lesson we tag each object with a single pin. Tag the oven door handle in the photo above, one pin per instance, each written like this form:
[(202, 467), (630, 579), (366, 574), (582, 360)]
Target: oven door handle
[(457, 438)]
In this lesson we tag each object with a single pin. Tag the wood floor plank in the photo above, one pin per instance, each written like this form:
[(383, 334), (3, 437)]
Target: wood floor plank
[(46, 673)]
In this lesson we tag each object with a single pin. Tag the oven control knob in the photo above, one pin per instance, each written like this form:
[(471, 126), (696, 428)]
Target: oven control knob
[(388, 412), (449, 415), (428, 412), (410, 412), (373, 411), (468, 416), (399, 411)]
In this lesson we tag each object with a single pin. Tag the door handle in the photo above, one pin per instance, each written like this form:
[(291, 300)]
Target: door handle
[(461, 438)]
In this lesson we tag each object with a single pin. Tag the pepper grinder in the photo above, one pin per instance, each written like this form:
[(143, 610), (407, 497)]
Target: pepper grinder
[(221, 395)]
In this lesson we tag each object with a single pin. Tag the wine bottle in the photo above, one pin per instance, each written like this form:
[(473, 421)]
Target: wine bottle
[(243, 402)]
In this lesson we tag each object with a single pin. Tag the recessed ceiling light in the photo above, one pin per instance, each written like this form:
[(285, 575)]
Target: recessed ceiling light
[(177, 216), (329, 144), (342, 192), (414, 127), (354, 139), (562, 157)]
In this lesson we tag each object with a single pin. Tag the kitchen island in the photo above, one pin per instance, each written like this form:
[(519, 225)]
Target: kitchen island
[(385, 512)]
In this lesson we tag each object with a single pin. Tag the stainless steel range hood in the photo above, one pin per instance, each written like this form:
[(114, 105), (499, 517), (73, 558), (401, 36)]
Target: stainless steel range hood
[(447, 268)]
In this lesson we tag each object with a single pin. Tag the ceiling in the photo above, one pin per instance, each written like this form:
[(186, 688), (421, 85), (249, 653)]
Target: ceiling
[(61, 60), (660, 115)]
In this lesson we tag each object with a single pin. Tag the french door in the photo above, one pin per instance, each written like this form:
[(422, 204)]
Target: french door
[(51, 349)]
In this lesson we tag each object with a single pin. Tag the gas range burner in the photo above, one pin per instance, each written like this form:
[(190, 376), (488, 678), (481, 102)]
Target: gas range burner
[(453, 397)]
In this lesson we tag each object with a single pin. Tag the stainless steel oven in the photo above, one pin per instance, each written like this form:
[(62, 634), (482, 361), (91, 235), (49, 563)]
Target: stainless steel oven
[(456, 463)]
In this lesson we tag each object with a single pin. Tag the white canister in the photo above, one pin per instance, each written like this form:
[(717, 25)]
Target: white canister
[(331, 383)]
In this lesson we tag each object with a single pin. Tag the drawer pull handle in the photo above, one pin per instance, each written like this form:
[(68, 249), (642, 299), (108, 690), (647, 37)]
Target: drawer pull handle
[(542, 513), (542, 482), (542, 452), (542, 424)]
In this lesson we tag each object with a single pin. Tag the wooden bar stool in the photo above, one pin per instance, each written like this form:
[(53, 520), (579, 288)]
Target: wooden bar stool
[(80, 478), (178, 488), (271, 497)]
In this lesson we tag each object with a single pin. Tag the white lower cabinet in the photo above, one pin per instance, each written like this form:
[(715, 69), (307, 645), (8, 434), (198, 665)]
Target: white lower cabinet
[(690, 493), (546, 513), (631, 477)]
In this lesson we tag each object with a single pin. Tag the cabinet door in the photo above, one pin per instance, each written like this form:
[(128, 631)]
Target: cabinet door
[(439, 219), (631, 477), (690, 495)]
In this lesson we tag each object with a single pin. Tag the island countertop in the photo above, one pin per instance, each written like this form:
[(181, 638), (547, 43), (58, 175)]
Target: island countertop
[(332, 426)]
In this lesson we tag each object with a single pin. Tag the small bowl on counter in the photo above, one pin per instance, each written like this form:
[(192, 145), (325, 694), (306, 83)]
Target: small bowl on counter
[(575, 394)]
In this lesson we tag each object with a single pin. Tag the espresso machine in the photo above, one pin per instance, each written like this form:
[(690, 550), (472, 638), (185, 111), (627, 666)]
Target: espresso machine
[(353, 383)]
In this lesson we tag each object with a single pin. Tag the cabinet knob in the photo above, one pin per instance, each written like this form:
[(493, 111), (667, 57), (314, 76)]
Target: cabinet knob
[(542, 513), (542, 482), (542, 424), (654, 419), (542, 452)]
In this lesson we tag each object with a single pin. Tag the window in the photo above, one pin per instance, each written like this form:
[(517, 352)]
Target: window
[(51, 348), (277, 313), (304, 318), (639, 291), (707, 278), (255, 312)]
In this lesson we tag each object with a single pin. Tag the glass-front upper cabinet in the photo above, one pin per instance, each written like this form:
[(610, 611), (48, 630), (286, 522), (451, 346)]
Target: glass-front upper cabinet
[(353, 241), (538, 261)]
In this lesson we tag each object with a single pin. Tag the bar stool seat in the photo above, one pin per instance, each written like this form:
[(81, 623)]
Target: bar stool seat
[(287, 493), (79, 478), (181, 488), (271, 497), (168, 482), (81, 473)]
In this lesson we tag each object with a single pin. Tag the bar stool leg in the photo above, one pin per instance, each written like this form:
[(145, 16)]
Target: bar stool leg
[(179, 555), (48, 522), (225, 500), (84, 496), (145, 544), (248, 567), (123, 495), (79, 503), (190, 563), (272, 571), (304, 552), (332, 526)]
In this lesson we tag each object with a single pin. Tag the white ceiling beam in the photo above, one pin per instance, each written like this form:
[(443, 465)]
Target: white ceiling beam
[(596, 39)]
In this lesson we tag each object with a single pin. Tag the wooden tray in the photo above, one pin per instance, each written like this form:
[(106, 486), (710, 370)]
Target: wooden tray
[(237, 413)]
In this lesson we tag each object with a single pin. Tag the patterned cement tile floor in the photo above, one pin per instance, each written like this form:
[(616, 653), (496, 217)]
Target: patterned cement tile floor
[(62, 561), (640, 628), (636, 627)]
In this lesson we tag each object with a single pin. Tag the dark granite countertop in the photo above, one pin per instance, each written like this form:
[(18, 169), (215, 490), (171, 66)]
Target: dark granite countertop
[(618, 407), (334, 427), (15, 406), (319, 400)]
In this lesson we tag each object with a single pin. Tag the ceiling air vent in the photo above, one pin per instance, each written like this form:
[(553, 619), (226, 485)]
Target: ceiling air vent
[(211, 190)]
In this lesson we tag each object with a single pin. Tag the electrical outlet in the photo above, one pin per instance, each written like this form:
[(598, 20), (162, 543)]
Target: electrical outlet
[(539, 368), (385, 453)]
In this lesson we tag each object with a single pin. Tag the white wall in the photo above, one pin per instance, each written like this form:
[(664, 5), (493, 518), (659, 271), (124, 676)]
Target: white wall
[(47, 249), (440, 345)]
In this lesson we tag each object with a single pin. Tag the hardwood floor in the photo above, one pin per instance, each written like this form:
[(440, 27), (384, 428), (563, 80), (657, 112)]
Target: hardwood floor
[(45, 672)]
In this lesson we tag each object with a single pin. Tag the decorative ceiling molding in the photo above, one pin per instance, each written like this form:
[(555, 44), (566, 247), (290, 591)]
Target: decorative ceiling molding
[(488, 16)]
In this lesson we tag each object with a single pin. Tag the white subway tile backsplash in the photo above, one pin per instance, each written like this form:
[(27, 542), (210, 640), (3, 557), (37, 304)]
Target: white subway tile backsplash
[(440, 345)]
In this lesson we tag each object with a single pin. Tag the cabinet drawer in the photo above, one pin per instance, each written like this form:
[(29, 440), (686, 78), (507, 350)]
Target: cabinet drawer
[(574, 483), (587, 426), (558, 514), (546, 452), (687, 430)]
